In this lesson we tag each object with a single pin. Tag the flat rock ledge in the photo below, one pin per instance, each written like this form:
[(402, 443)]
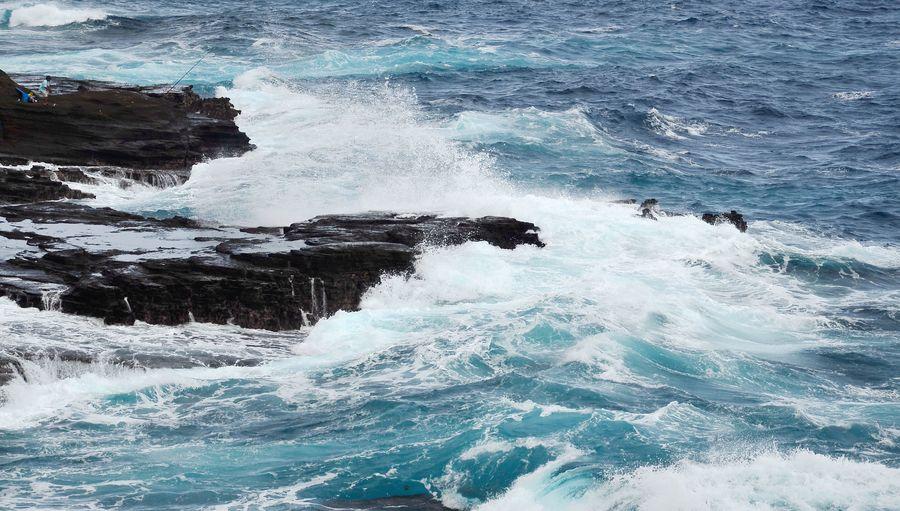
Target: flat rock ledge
[(96, 123), (124, 268)]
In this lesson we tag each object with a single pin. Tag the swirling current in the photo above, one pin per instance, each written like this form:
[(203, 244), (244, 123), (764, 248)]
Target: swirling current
[(629, 365)]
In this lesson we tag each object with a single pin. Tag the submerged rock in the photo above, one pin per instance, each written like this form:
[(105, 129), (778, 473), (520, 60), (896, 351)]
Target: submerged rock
[(104, 124), (123, 267), (424, 502)]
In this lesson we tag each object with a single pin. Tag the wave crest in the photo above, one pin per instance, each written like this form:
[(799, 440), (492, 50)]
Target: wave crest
[(797, 480), (51, 15)]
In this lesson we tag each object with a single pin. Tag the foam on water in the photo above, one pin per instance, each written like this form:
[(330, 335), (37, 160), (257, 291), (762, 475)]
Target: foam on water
[(796, 480), (673, 127), (49, 14), (661, 333), (334, 151)]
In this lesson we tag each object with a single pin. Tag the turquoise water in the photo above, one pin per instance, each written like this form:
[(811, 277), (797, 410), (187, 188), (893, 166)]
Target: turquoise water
[(630, 364)]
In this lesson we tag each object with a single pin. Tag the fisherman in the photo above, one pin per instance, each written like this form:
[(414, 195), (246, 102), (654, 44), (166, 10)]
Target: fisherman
[(44, 89)]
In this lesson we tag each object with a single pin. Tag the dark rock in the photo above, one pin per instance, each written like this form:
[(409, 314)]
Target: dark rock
[(625, 201), (403, 503), (649, 209), (118, 126), (413, 230), (650, 204), (34, 184), (69, 213), (275, 279), (8, 160), (74, 175), (732, 217), (10, 368)]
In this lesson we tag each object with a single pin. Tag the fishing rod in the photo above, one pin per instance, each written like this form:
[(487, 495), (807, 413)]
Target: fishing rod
[(186, 73)]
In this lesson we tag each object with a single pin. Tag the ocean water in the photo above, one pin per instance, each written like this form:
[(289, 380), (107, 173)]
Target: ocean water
[(629, 365)]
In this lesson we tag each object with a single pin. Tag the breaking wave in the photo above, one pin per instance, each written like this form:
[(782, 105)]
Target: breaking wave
[(769, 481), (48, 15)]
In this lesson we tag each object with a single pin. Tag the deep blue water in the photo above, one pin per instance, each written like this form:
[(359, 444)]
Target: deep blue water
[(631, 364)]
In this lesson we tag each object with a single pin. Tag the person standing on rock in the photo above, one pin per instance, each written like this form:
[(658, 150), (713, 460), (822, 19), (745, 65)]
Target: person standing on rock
[(45, 89)]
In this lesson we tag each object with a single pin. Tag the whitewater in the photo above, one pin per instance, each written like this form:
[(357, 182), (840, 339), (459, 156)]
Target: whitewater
[(631, 364)]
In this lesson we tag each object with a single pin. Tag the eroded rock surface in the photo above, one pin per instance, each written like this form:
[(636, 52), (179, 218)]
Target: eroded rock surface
[(90, 123), (732, 217), (122, 267), (34, 184)]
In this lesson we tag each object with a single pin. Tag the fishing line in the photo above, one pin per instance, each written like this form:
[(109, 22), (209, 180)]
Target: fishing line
[(186, 73)]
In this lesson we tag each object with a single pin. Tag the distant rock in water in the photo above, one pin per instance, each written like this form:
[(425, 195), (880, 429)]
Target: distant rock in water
[(650, 209), (732, 217), (91, 123), (123, 267)]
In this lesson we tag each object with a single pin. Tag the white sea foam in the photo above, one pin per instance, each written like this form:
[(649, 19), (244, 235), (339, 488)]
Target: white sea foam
[(675, 282), (51, 15), (58, 390), (853, 95), (276, 498), (770, 481), (530, 126), (673, 127)]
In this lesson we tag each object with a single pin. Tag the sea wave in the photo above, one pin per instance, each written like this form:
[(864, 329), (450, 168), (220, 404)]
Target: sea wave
[(49, 15), (561, 131), (768, 481), (672, 127)]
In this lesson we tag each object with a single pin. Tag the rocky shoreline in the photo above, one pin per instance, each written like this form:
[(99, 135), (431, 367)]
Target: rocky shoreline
[(61, 254), (97, 123)]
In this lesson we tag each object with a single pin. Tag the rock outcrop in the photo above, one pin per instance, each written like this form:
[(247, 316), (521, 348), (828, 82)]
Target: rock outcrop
[(90, 123), (732, 217), (123, 267), (34, 184), (651, 210)]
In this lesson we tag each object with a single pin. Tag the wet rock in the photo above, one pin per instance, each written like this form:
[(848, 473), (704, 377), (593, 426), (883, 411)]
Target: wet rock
[(412, 230), (99, 124), (405, 503), (732, 217), (650, 209), (10, 369), (34, 184), (267, 278), (71, 213), (74, 175)]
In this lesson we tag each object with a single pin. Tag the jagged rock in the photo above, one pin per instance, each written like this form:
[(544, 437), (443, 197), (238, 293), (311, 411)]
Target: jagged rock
[(732, 217), (123, 267), (412, 230), (34, 184), (73, 175), (118, 126), (649, 209), (10, 368)]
